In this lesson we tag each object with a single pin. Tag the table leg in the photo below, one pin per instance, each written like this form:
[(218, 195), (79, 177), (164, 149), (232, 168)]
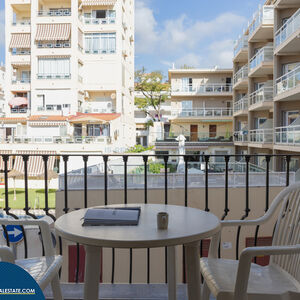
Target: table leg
[(172, 273), (92, 272), (192, 258)]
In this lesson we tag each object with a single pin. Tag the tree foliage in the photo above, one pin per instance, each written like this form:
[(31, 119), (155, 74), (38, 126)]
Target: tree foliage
[(153, 93)]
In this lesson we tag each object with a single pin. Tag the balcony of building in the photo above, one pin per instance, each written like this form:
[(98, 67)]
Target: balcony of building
[(202, 89), (286, 3), (20, 18), (54, 45), (261, 64), (240, 138), (287, 40), (219, 113), (287, 87), (261, 99), (261, 27), (240, 78), (261, 137), (54, 12), (240, 52), (240, 107), (98, 17), (287, 137)]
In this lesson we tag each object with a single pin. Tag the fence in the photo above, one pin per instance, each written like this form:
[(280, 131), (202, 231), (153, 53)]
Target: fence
[(146, 182)]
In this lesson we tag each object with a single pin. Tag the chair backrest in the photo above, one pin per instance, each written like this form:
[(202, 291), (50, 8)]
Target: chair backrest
[(287, 231)]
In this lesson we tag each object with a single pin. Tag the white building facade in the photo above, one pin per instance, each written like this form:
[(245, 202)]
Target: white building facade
[(70, 71)]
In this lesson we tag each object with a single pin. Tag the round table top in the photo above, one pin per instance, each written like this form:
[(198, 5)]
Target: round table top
[(186, 225)]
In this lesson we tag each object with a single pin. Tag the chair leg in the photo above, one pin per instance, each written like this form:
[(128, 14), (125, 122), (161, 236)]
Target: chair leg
[(205, 292), (56, 289)]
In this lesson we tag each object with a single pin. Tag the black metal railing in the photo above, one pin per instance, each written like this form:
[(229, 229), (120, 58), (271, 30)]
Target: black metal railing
[(283, 162)]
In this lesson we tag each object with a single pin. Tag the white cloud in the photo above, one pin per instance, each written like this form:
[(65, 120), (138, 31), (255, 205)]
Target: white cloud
[(185, 41), (145, 23)]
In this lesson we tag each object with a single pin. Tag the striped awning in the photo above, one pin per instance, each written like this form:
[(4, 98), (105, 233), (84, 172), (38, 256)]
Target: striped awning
[(20, 41), (80, 38), (98, 2), (20, 63), (9, 163), (35, 165), (53, 32)]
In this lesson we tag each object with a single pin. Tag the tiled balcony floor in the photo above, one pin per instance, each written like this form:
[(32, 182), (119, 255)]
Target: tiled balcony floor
[(122, 292)]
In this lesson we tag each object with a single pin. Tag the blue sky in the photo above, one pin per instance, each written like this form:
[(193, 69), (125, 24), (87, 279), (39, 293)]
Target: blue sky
[(199, 33)]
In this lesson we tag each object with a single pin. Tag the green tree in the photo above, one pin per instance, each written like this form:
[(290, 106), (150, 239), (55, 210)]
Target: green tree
[(154, 92)]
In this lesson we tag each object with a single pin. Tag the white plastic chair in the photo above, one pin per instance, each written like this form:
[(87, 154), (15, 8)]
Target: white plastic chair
[(242, 280), (43, 269)]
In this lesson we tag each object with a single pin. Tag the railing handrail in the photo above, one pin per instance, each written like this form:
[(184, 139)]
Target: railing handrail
[(285, 26), (288, 127), (241, 43), (288, 74), (53, 12), (261, 130), (194, 86), (202, 108)]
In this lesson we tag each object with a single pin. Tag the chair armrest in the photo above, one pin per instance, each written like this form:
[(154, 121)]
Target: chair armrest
[(44, 227), (247, 254), (7, 255), (236, 223)]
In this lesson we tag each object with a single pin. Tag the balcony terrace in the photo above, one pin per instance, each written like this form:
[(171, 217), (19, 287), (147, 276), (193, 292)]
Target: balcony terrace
[(261, 99), (262, 24), (202, 89), (240, 53), (240, 78), (216, 112), (237, 181), (287, 37), (240, 107), (261, 64), (287, 87), (286, 3), (240, 138), (288, 136), (261, 137)]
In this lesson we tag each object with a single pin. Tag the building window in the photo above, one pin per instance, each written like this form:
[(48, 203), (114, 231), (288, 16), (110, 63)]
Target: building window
[(77, 129), (97, 43), (97, 130), (49, 68)]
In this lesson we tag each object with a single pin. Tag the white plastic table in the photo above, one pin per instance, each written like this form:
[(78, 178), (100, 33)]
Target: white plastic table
[(187, 226)]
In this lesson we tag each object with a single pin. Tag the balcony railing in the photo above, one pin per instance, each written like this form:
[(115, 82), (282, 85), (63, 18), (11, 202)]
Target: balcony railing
[(203, 88), (100, 51), (55, 139), (291, 26), (288, 135), (199, 137), (19, 110), (108, 184), (53, 76), (20, 80), (240, 44), (241, 104), (21, 22), (61, 12), (264, 16), (66, 44), (288, 81), (203, 112), (241, 74), (261, 135), (21, 52), (265, 54), (240, 136), (96, 21), (263, 94)]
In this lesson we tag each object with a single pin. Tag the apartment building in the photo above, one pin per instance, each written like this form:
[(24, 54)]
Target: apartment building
[(266, 77), (70, 72), (201, 110), (287, 79)]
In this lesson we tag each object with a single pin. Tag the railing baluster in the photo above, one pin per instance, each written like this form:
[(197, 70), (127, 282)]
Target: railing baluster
[(105, 159), (186, 160), (206, 158), (125, 160), (288, 160), (226, 208), (247, 209), (66, 158), (85, 160), (145, 159), (166, 158)]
